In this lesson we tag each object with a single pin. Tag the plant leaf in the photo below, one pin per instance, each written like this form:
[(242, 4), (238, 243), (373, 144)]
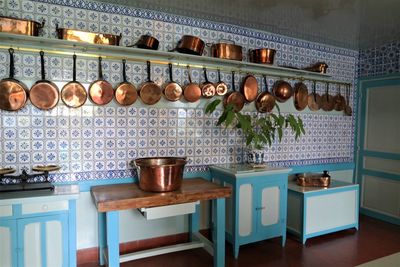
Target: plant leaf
[(210, 108)]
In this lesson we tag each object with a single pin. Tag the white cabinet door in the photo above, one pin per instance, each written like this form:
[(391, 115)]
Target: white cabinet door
[(246, 208), (7, 239), (43, 241), (270, 208)]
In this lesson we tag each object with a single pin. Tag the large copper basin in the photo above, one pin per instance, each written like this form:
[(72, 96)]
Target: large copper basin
[(161, 174)]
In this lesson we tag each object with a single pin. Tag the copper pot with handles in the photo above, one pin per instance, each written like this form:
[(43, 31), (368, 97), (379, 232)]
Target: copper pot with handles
[(189, 44), (20, 26), (262, 55), (282, 91), (227, 50)]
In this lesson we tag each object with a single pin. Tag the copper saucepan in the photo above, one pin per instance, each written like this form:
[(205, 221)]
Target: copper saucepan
[(44, 94), (20, 26), (220, 87), (314, 99), (249, 88), (101, 92), (327, 102), (207, 88), (234, 98), (227, 51), (339, 100), (13, 93), (172, 90), (282, 91), (192, 91), (347, 110), (149, 91), (125, 93), (262, 55), (146, 42), (73, 94), (88, 37), (190, 45), (300, 96), (265, 102)]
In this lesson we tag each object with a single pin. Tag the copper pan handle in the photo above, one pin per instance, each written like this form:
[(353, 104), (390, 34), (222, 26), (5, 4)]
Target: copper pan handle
[(124, 71), (148, 71), (265, 82), (233, 81), (42, 65), (74, 68), (205, 74), (219, 75), (12, 71), (189, 76), (314, 94), (100, 69), (170, 72)]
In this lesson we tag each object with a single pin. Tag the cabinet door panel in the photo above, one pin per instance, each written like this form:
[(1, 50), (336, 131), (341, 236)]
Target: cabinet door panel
[(54, 244), (270, 209), (245, 209), (7, 235), (32, 249)]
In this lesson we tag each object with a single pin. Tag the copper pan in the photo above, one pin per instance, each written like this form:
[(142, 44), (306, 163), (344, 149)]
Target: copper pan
[(262, 55), (249, 88), (339, 100), (87, 37), (300, 96), (234, 98), (282, 91), (220, 87), (192, 91), (13, 93), (172, 90), (314, 99), (125, 93), (207, 88), (347, 110), (327, 101), (146, 42), (190, 45), (319, 67), (73, 94), (227, 51), (101, 92), (44, 94), (149, 91), (265, 101), (20, 26)]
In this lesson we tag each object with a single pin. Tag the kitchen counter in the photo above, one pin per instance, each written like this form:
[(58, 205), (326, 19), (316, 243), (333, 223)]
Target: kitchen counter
[(247, 170), (110, 199)]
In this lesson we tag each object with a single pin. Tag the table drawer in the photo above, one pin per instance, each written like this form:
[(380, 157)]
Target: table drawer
[(45, 207), (168, 211), (6, 211)]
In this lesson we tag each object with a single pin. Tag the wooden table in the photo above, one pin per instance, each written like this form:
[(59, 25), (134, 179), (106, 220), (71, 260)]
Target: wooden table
[(110, 199)]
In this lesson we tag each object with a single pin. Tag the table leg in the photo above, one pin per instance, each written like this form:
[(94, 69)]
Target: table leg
[(219, 232), (194, 222), (112, 238), (101, 232)]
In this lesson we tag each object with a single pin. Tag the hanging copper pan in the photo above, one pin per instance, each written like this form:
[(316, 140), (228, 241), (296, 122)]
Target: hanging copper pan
[(327, 102), (207, 88), (192, 91), (13, 93), (282, 91), (300, 96), (347, 110), (234, 98), (249, 88), (339, 100), (172, 90), (44, 94), (220, 87), (265, 102), (149, 91), (73, 94), (101, 92), (314, 99), (125, 93)]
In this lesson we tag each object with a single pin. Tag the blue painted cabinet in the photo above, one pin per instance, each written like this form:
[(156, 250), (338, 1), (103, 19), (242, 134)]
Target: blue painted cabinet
[(257, 209)]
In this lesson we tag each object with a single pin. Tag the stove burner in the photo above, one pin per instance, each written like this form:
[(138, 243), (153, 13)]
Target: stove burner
[(25, 182)]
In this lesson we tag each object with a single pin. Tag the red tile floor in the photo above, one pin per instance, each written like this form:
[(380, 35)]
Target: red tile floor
[(374, 239)]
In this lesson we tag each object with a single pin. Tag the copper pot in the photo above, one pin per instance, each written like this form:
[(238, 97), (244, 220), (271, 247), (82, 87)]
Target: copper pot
[(125, 93), (220, 87), (265, 101), (162, 174), (146, 42), (227, 51), (347, 110), (13, 93), (88, 37), (20, 26), (172, 90), (190, 45), (327, 101), (319, 67), (101, 92), (249, 88), (149, 91), (314, 99), (234, 98), (339, 100), (73, 94), (207, 88), (192, 91), (262, 55), (300, 96), (282, 91)]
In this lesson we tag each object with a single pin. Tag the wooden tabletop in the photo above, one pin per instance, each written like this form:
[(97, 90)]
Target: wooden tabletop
[(130, 196)]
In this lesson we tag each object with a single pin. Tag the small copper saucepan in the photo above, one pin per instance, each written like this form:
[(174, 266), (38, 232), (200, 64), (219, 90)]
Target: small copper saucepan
[(282, 91), (44, 94), (262, 55), (146, 42), (339, 100), (192, 91), (234, 98), (327, 102), (265, 102), (190, 45), (13, 93), (300, 96), (149, 91), (314, 99), (207, 88), (101, 92), (220, 87), (249, 88), (73, 94), (125, 93), (172, 90)]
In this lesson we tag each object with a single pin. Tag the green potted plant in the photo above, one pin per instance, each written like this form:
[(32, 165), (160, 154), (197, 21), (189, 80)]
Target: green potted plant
[(258, 131)]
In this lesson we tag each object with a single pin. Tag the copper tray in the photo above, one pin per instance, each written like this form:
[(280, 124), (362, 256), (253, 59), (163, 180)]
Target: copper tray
[(88, 37), (20, 26), (6, 171), (313, 180), (46, 168)]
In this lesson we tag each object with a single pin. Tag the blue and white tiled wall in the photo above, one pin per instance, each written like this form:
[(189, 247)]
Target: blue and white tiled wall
[(381, 60), (94, 142)]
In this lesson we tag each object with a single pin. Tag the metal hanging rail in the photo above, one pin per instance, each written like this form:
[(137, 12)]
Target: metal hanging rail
[(63, 47)]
